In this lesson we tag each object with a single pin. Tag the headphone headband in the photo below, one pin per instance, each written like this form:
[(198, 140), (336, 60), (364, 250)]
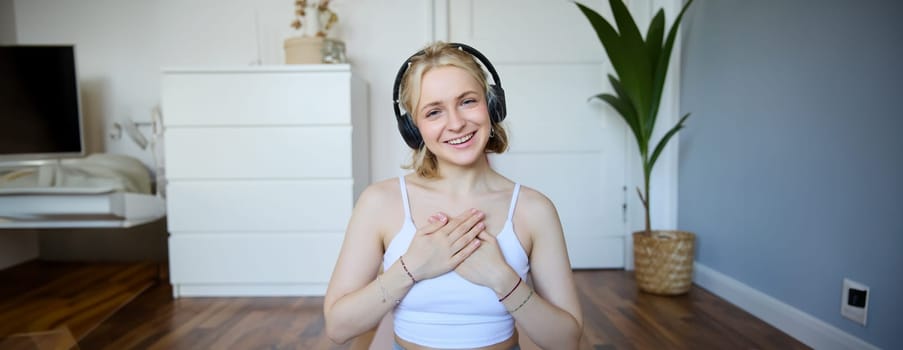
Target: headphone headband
[(409, 131)]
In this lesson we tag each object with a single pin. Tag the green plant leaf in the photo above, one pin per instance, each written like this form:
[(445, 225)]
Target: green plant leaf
[(609, 38), (634, 120), (641, 68), (661, 71), (664, 141), (636, 74), (654, 37)]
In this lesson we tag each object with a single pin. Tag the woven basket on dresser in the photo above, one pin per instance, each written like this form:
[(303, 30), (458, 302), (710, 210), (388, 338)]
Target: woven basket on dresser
[(663, 261)]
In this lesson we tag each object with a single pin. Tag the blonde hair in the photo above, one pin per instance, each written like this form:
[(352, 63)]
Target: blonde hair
[(441, 54)]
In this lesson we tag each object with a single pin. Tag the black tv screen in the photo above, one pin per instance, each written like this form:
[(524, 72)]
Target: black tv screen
[(39, 103)]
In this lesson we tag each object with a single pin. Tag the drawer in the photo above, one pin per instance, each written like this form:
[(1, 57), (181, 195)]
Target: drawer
[(231, 206), (258, 152), (260, 258), (256, 98)]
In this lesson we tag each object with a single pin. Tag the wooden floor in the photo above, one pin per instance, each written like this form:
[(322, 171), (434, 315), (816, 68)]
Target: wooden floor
[(616, 317), (43, 296)]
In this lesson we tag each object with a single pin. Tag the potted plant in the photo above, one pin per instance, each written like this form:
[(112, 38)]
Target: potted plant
[(663, 260)]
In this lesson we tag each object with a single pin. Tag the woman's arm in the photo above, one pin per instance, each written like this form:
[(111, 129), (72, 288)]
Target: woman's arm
[(357, 299), (354, 299), (550, 315)]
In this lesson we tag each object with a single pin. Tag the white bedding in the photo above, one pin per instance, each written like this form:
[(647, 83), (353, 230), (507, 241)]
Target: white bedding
[(96, 173)]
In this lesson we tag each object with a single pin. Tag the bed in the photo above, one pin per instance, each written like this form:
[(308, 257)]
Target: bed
[(100, 190)]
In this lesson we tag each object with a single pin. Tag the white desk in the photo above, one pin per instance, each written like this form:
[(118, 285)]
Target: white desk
[(77, 208)]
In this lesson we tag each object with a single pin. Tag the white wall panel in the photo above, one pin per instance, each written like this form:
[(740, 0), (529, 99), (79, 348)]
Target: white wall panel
[(527, 31), (572, 150), (594, 252), (587, 192), (548, 109)]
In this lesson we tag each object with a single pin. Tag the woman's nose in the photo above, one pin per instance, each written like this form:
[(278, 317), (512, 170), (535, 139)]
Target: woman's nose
[(455, 120)]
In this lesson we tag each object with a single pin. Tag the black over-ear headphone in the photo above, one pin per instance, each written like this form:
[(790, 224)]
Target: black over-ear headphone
[(495, 98)]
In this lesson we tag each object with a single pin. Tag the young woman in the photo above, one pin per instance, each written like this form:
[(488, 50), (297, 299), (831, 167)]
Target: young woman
[(448, 247)]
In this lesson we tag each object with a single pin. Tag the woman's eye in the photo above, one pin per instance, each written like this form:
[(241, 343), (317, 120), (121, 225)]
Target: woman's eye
[(432, 113), (468, 101)]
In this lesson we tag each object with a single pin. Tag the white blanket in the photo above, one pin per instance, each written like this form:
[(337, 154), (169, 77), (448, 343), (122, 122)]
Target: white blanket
[(98, 171)]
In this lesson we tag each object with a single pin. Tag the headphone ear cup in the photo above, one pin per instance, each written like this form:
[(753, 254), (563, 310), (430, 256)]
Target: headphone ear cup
[(497, 108), (409, 131)]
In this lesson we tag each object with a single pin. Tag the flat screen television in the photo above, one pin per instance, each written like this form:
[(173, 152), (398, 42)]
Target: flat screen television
[(40, 116)]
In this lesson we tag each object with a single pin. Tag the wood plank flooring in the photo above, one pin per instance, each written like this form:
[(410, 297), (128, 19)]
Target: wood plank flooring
[(44, 296), (616, 315)]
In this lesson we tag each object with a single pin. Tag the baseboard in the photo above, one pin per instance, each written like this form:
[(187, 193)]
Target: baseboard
[(798, 324), (239, 290)]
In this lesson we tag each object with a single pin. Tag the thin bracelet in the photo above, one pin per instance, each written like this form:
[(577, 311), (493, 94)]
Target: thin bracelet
[(522, 303), (405, 267), (512, 290), (383, 289)]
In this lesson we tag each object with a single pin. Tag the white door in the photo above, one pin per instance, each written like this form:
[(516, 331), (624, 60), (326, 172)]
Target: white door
[(574, 151)]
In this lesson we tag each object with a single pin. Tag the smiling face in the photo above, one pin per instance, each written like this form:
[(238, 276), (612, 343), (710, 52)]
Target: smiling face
[(452, 116)]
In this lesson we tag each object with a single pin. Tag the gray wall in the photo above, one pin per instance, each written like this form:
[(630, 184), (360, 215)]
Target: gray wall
[(791, 170), (7, 22)]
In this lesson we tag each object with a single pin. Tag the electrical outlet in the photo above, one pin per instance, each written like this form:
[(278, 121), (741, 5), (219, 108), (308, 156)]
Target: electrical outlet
[(854, 303)]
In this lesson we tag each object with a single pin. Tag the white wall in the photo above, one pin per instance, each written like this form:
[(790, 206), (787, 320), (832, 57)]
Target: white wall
[(122, 45)]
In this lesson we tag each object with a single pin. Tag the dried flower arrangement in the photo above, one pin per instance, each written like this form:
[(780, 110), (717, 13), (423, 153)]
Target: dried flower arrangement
[(319, 18)]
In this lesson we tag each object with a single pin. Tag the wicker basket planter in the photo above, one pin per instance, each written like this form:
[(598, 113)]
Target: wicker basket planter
[(663, 261)]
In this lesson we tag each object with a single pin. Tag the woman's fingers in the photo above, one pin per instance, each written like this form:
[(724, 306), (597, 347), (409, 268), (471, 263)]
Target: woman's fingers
[(465, 252), (486, 236), (444, 242), (469, 236), (434, 224), (461, 225)]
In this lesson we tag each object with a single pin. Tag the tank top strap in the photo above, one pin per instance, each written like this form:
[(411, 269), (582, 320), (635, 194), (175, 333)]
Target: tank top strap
[(404, 198), (513, 201)]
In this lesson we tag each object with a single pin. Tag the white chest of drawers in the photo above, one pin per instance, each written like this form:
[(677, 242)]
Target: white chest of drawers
[(263, 167)]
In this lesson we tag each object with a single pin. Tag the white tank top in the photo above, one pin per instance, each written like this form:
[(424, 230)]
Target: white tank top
[(449, 311)]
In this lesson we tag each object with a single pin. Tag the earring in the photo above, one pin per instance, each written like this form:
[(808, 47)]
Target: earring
[(491, 132)]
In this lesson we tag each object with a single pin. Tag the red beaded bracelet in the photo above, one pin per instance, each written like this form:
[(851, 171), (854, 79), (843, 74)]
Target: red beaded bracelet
[(405, 267), (512, 289)]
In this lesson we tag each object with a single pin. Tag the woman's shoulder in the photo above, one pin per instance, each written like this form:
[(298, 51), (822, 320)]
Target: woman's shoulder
[(380, 206), (535, 212), (532, 200), (381, 192)]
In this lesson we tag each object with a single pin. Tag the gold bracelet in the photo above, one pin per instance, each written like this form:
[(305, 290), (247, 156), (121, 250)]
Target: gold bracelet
[(385, 293), (383, 289), (523, 302)]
